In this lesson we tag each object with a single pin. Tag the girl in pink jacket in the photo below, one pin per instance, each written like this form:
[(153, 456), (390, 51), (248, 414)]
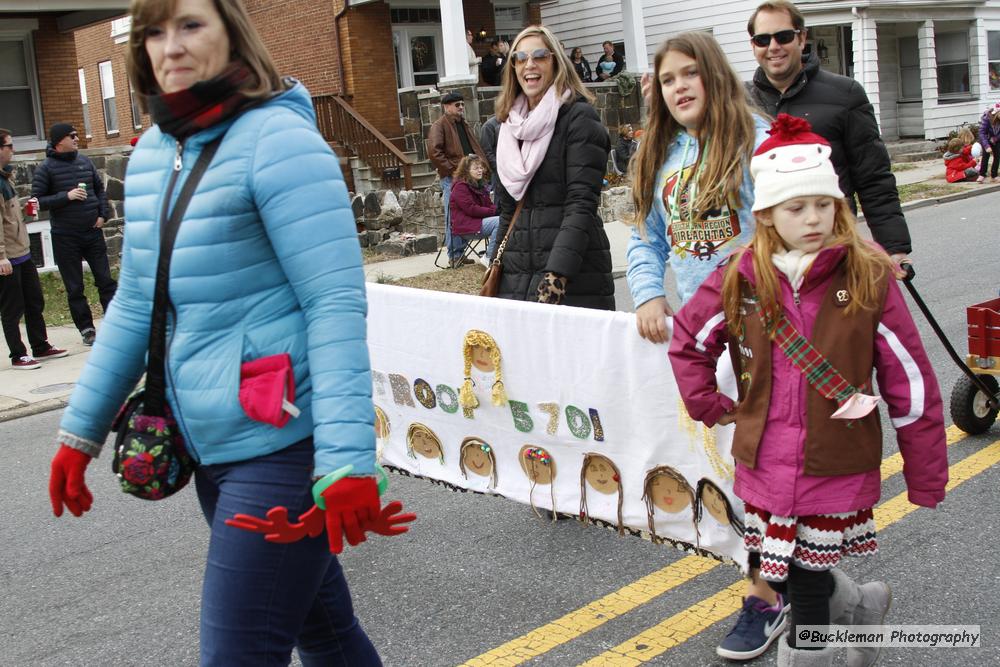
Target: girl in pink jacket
[(809, 310)]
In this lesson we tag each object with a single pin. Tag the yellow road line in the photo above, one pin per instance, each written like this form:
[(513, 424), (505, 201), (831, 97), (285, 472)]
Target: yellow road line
[(892, 465), (597, 613), (686, 624)]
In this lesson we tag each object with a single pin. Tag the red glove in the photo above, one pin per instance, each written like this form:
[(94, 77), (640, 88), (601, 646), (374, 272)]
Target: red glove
[(276, 528), (390, 518), (352, 503), (66, 485)]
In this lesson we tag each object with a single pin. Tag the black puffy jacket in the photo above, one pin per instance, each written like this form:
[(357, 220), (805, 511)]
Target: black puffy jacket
[(838, 109), (55, 177), (559, 230)]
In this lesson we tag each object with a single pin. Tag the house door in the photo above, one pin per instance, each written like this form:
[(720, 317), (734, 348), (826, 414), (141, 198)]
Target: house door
[(418, 55), (909, 107)]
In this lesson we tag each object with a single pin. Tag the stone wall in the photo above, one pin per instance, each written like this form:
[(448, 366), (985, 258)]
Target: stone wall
[(405, 223), (616, 103), (412, 221), (110, 164)]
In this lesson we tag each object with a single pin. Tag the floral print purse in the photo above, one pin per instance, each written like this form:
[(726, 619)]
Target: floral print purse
[(151, 459)]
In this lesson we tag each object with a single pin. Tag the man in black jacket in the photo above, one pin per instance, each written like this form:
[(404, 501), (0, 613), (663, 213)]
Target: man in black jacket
[(69, 187), (493, 62), (838, 109)]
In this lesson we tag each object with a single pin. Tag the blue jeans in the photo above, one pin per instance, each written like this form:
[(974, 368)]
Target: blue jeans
[(452, 243), (259, 599), (488, 232)]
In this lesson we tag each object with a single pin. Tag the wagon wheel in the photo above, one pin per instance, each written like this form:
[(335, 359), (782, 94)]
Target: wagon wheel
[(969, 408)]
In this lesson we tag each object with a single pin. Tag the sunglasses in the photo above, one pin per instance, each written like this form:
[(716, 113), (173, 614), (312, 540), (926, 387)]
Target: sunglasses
[(763, 39), (6, 145), (538, 55)]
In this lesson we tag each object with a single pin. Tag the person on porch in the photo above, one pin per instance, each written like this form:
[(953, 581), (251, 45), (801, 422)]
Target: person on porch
[(449, 140)]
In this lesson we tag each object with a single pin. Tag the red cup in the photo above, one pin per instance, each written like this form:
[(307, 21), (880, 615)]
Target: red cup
[(31, 208)]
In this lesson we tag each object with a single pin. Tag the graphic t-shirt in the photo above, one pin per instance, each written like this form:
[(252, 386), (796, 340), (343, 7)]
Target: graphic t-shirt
[(691, 247)]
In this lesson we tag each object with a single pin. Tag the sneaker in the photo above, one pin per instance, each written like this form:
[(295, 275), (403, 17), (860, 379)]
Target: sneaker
[(459, 262), (88, 336), (51, 353), (757, 626), (980, 179), (25, 363)]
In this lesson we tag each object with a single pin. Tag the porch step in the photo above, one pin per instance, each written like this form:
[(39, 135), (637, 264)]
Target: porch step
[(423, 173), (913, 151)]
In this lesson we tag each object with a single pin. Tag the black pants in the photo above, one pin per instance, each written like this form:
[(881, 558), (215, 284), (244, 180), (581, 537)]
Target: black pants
[(809, 594), (986, 160), (70, 251), (21, 296)]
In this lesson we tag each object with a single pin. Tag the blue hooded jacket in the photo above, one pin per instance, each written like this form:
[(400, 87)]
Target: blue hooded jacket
[(693, 253), (266, 262)]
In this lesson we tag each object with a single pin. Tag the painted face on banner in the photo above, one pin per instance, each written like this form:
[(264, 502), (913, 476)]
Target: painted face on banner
[(482, 359), (381, 423), (715, 504), (601, 475), (537, 464), (476, 459), (669, 494), (426, 444)]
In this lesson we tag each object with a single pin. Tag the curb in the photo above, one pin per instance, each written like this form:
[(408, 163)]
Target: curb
[(958, 196), (29, 409)]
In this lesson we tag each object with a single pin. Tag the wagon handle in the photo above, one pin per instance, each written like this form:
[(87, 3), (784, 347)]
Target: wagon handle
[(994, 401)]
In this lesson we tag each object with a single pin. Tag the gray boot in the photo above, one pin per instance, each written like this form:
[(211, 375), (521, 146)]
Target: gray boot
[(851, 604), (798, 657)]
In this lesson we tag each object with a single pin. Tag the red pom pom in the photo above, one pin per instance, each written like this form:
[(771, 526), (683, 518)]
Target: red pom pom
[(786, 127)]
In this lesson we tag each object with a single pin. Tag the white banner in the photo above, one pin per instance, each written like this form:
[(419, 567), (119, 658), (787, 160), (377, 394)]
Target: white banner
[(574, 413)]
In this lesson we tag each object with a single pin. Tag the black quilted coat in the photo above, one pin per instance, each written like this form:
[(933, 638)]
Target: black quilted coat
[(559, 229), (838, 109)]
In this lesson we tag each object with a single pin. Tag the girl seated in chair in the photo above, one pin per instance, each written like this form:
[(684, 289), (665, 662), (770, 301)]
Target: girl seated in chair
[(473, 213)]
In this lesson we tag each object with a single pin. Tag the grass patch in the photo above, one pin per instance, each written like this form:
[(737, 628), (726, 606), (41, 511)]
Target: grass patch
[(903, 166), (370, 256), (466, 280), (916, 191), (56, 306)]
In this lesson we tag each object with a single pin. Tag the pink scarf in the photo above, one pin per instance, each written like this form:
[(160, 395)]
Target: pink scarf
[(516, 165)]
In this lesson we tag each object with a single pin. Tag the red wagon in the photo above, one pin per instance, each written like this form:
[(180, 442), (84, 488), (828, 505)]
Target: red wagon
[(972, 409)]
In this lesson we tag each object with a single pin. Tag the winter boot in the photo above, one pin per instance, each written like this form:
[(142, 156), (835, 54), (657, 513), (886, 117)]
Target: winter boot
[(851, 604), (798, 657)]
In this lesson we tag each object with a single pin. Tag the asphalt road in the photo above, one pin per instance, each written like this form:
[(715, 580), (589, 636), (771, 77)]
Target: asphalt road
[(122, 585)]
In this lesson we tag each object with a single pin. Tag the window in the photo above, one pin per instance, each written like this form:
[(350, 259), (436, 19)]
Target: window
[(993, 55), (136, 113), (909, 68), (83, 98), (952, 63), (415, 15), (108, 93), (120, 29), (16, 97)]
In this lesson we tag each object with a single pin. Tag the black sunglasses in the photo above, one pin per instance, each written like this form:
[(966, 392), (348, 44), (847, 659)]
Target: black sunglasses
[(538, 55), (763, 39), (6, 145)]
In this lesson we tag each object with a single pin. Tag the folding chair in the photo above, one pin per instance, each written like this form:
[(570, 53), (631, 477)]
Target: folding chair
[(472, 247)]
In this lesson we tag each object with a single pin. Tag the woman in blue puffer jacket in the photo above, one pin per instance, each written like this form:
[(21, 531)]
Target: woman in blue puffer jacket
[(266, 263)]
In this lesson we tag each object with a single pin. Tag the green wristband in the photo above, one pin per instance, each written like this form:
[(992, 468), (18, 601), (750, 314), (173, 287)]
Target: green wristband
[(325, 482)]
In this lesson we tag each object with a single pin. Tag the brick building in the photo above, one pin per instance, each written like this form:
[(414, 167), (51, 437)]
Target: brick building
[(363, 51)]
